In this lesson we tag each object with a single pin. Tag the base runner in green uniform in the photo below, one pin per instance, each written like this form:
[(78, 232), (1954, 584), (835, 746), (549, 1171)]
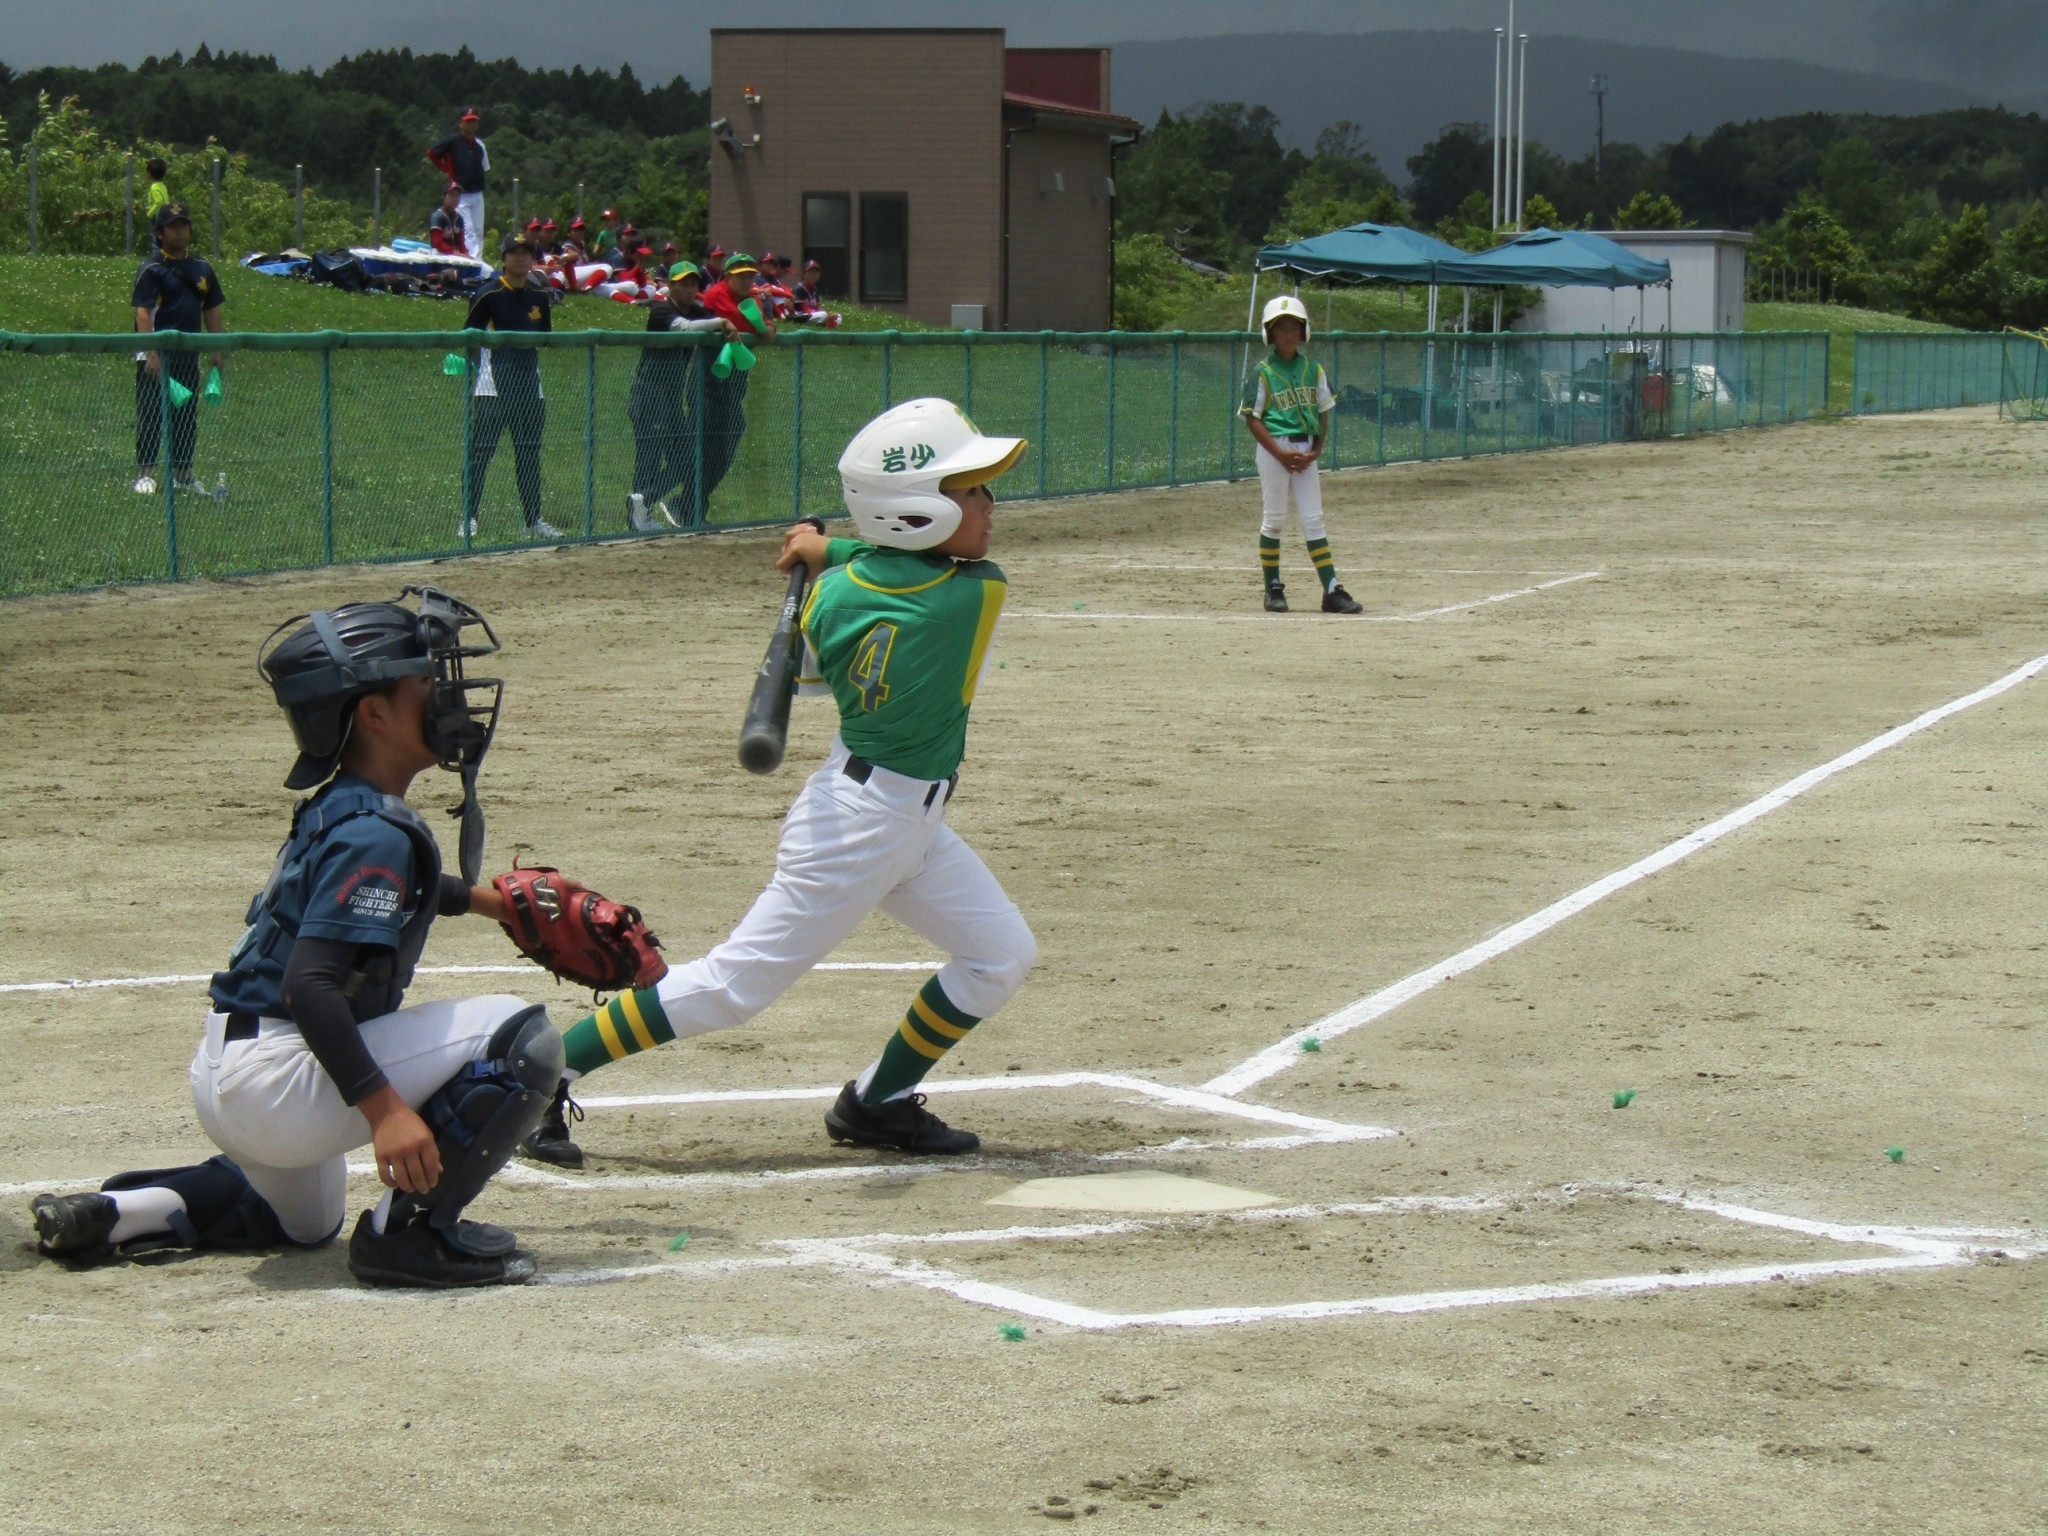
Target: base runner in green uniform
[(1287, 403), (897, 627)]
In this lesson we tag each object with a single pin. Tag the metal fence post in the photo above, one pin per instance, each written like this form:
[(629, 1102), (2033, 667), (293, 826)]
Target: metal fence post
[(1044, 367), (1571, 393), (700, 361), (128, 208), (163, 461), (515, 202), (1230, 421), (1109, 426), (1380, 406), (1336, 383), (376, 205), (1173, 416), (327, 455), (579, 199), (888, 366), (967, 372), (34, 245), (796, 433), (590, 440), (298, 207), (472, 493), (216, 207), (1428, 382)]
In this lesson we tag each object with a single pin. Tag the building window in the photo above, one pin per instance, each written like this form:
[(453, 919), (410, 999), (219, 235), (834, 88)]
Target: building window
[(826, 232), (884, 246)]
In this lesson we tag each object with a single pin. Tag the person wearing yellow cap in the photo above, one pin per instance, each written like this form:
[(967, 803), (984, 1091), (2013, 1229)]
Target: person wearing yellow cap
[(732, 299), (664, 447)]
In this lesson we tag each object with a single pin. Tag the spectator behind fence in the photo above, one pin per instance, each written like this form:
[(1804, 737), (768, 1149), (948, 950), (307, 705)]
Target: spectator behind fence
[(444, 229), (664, 435), (464, 160), (725, 417), (159, 191), (507, 392), (174, 291)]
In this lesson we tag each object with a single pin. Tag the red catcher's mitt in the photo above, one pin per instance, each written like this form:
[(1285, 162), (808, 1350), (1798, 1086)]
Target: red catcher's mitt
[(579, 935)]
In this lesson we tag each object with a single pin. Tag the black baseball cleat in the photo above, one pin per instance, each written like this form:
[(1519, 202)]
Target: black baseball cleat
[(411, 1253), (75, 1228), (1337, 600), (550, 1141), (904, 1124), (1276, 597)]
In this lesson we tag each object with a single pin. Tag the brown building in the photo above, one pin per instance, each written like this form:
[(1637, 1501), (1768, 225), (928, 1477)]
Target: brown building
[(930, 171)]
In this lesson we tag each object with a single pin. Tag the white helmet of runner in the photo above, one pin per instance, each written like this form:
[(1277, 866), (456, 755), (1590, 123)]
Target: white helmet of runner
[(898, 467), (1286, 307)]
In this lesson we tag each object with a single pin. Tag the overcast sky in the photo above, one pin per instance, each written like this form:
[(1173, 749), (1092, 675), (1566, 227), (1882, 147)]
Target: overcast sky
[(1984, 45)]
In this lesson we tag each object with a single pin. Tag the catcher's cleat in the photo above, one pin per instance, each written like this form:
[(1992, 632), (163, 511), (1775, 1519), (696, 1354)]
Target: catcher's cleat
[(904, 1124), (1276, 597), (1337, 600), (550, 1141), (75, 1228), (412, 1253)]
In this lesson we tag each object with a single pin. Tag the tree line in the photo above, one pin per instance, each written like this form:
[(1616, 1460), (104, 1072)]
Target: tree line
[(1940, 215)]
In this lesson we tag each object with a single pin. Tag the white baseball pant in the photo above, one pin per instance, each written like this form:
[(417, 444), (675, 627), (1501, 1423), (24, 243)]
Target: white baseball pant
[(848, 848), (471, 207), (1276, 481), (270, 1106)]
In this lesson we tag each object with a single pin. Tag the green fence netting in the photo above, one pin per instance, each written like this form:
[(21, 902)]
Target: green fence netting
[(1930, 370), (2023, 385), (332, 446)]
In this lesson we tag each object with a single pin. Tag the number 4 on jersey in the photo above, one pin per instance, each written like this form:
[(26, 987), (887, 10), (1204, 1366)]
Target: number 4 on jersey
[(871, 664)]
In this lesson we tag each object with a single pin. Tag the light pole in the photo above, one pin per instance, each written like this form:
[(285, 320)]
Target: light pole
[(1498, 36), (1599, 89), (1522, 134)]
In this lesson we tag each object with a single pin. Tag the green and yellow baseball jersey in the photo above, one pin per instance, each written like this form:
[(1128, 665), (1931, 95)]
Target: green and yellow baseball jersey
[(1289, 398), (899, 636)]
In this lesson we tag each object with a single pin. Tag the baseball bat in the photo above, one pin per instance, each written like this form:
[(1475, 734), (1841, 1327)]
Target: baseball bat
[(765, 733)]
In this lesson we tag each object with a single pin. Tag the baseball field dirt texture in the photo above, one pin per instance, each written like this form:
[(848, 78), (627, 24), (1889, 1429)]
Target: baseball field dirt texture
[(1705, 1198)]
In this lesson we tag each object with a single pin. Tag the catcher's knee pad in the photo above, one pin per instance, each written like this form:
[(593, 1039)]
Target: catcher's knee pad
[(221, 1210), (480, 1115)]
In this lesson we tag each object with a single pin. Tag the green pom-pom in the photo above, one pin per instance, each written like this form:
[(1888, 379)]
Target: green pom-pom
[(1013, 1333), (1623, 1097), (1896, 1154), (455, 365), (675, 1244), (1311, 1045), (180, 395), (214, 394)]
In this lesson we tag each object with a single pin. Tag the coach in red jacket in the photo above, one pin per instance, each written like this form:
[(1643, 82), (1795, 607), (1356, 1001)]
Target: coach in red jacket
[(731, 299)]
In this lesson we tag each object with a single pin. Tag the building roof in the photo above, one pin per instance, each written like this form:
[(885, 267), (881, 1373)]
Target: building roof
[(1115, 122)]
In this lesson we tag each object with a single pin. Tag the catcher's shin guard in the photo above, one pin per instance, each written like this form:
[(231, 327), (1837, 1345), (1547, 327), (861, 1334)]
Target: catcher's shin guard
[(481, 1115)]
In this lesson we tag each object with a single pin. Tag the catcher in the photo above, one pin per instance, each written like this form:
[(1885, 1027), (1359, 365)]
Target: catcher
[(309, 1051)]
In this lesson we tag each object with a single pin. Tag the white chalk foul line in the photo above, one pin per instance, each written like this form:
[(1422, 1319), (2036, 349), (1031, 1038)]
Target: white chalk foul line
[(1267, 618), (75, 985), (1281, 1055)]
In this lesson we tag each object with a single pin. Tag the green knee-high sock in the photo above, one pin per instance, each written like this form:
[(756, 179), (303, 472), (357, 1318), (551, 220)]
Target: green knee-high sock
[(932, 1027), (630, 1023), (1326, 563), (1269, 560)]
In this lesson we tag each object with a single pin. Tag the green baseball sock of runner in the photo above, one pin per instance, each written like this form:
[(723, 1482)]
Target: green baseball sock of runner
[(630, 1023), (932, 1027), (1326, 563), (1269, 560)]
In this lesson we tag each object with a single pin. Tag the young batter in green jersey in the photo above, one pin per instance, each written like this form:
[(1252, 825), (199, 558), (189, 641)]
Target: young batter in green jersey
[(1287, 404), (897, 627)]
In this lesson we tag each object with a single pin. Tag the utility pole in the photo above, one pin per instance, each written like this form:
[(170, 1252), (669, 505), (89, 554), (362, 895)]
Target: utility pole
[(1599, 89), (1522, 135), (1510, 212), (1498, 35)]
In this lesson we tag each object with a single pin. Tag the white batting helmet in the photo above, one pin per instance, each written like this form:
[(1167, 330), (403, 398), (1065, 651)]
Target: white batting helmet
[(1286, 307), (898, 466)]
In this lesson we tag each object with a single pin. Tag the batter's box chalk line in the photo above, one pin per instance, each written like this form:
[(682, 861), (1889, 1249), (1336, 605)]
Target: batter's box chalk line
[(876, 1259)]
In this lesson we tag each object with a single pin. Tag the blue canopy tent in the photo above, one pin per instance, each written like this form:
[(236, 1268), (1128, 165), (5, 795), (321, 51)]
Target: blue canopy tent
[(1553, 258), (1358, 253)]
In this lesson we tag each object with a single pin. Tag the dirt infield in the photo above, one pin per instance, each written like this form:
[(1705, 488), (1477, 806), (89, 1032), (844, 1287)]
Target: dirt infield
[(1487, 1298)]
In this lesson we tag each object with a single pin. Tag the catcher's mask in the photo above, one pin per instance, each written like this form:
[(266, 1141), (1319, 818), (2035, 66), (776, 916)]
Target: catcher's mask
[(332, 657)]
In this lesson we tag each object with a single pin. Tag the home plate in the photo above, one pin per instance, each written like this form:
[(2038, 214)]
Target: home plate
[(1154, 1192)]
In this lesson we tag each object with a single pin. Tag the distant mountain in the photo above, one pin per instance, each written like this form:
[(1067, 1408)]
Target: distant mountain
[(1401, 87)]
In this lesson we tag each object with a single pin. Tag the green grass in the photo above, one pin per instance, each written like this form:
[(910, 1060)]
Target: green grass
[(1841, 323)]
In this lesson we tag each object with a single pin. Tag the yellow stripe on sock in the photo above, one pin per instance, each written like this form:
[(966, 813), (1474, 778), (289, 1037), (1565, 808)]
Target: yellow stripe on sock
[(933, 1022), (630, 1007), (918, 1042), (609, 1034)]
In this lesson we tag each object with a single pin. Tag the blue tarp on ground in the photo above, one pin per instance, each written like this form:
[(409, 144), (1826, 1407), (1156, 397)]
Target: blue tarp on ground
[(1551, 258), (1362, 251)]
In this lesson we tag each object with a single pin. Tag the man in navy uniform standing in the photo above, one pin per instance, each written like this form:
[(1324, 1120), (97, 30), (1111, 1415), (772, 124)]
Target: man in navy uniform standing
[(464, 160), (174, 291)]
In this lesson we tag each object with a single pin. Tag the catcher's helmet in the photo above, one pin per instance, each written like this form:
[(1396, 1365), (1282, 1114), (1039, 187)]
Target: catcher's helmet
[(897, 468), (332, 657), (1286, 307)]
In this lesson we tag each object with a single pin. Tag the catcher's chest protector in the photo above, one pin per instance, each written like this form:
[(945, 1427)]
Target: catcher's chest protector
[(275, 914)]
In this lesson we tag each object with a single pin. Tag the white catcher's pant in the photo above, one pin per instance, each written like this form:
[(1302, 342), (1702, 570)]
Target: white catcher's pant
[(470, 206), (847, 849), (270, 1105), (1275, 481)]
